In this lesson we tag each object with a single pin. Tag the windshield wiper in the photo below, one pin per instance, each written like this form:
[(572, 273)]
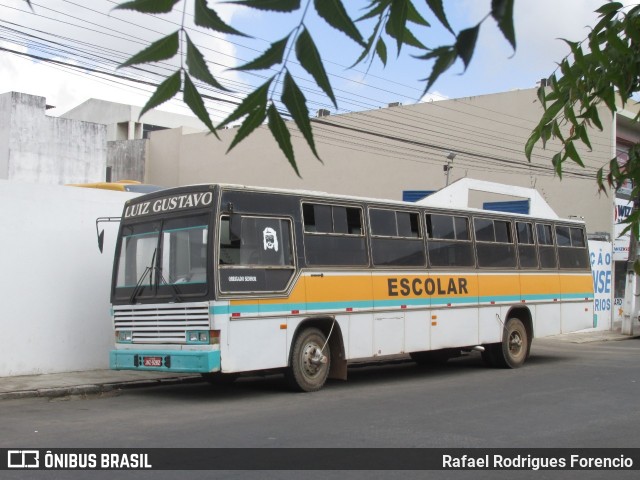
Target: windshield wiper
[(177, 296), (147, 271)]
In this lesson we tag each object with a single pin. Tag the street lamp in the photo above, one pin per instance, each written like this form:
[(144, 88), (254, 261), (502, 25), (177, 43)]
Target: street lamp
[(447, 168)]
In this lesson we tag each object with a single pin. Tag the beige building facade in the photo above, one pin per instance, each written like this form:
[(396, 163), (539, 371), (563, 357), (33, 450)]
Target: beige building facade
[(382, 153)]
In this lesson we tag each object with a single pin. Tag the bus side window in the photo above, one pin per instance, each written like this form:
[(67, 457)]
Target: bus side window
[(396, 239), (526, 245), (494, 243), (572, 251), (546, 248), (334, 235), (449, 244), (229, 244)]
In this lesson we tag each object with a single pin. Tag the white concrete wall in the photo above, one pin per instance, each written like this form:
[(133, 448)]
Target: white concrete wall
[(112, 114), (54, 283), (42, 149)]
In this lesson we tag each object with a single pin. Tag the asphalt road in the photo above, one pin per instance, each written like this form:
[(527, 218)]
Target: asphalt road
[(566, 395)]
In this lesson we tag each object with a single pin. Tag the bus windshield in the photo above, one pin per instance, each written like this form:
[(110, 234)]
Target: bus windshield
[(163, 258)]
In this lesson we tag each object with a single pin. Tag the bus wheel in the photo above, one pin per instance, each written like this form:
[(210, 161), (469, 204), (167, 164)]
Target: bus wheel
[(515, 344), (309, 367)]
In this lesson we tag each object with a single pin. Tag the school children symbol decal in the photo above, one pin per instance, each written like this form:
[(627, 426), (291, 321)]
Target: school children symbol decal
[(270, 239)]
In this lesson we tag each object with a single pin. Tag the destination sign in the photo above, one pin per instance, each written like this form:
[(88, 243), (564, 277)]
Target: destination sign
[(169, 204)]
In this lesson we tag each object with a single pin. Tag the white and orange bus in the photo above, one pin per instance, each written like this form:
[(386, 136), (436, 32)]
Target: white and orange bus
[(222, 279)]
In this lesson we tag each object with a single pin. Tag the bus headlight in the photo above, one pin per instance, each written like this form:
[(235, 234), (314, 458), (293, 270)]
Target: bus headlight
[(199, 337), (124, 336)]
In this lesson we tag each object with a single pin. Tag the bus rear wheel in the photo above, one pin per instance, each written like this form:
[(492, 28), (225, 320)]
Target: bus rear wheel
[(514, 348), (310, 361)]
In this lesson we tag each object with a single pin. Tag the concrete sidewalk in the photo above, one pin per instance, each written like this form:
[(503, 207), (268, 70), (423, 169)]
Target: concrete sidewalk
[(88, 382), (101, 381)]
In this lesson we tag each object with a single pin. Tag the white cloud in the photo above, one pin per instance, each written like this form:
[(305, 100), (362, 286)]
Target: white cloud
[(112, 35), (433, 97)]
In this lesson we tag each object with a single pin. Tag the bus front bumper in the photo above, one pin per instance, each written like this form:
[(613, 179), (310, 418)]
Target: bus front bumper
[(165, 361)]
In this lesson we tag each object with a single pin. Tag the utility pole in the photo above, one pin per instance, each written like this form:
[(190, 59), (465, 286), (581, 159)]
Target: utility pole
[(632, 287)]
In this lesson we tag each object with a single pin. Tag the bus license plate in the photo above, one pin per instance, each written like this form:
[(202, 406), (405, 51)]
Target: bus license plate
[(152, 361)]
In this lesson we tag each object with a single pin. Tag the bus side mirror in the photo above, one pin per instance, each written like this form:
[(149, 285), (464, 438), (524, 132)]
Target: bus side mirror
[(101, 241), (101, 232)]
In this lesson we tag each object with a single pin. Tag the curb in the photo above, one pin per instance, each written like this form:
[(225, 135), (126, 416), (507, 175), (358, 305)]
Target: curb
[(92, 389)]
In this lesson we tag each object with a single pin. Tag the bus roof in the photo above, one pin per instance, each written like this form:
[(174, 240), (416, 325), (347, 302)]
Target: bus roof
[(540, 208)]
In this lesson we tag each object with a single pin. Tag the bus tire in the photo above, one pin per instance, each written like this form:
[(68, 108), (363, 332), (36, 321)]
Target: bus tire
[(514, 348), (306, 371)]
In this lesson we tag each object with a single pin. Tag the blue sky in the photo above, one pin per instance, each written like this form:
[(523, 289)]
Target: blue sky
[(495, 66)]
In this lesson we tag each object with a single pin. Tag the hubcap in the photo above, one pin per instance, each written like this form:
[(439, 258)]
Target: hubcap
[(515, 343), (311, 359)]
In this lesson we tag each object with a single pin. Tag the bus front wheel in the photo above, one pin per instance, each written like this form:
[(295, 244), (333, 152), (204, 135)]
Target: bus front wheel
[(310, 361)]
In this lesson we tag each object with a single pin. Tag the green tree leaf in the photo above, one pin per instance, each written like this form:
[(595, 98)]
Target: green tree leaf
[(502, 12), (273, 56), (163, 49), (274, 5), (381, 51), (252, 121), (198, 66), (370, 45), (572, 153), (293, 99), (376, 9), (438, 10), (610, 8), (466, 44), (398, 21), (281, 133), (148, 6), (194, 101), (445, 58), (250, 103), (551, 112), (531, 142), (557, 164), (206, 17), (165, 91), (309, 58), (334, 13), (415, 17), (582, 133)]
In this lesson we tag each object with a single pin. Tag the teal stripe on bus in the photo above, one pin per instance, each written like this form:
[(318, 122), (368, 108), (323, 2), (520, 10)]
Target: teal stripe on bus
[(286, 307)]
